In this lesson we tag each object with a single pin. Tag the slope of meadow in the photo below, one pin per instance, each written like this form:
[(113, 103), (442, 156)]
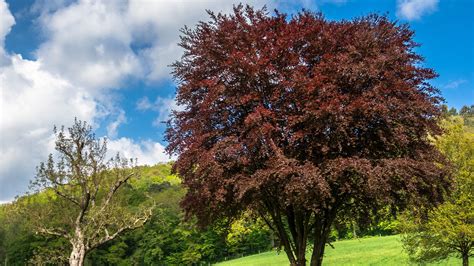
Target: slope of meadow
[(365, 251)]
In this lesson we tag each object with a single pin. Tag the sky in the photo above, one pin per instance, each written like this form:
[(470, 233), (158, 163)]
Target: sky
[(107, 62)]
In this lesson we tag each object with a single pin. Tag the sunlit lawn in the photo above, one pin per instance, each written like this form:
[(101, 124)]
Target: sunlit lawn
[(365, 251)]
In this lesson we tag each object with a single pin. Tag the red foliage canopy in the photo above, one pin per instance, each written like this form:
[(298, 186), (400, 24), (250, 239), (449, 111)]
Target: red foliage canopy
[(303, 115)]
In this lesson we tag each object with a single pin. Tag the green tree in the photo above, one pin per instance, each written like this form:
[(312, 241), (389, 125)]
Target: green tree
[(467, 110), (19, 244), (444, 109), (448, 229), (3, 246), (248, 235), (80, 200), (452, 111)]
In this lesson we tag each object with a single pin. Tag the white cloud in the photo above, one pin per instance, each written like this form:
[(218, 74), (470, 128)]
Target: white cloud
[(454, 84), (32, 101), (6, 22), (415, 9), (112, 127), (89, 44), (146, 152), (99, 44), (46, 6), (163, 106), (157, 23), (144, 104)]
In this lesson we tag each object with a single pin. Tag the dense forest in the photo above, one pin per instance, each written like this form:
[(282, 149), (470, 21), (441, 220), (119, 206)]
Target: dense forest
[(170, 239)]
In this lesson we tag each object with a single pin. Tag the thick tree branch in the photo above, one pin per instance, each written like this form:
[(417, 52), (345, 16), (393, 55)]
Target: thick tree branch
[(53, 231), (128, 225)]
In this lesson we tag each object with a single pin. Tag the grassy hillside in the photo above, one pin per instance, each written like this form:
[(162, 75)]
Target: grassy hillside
[(366, 251)]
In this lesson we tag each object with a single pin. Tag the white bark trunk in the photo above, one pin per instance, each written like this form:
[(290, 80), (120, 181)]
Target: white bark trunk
[(77, 255), (78, 252)]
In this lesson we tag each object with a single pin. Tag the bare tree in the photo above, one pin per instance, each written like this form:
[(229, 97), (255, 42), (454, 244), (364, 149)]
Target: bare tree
[(81, 187)]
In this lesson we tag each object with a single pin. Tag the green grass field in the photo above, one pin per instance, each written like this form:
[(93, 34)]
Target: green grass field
[(365, 251)]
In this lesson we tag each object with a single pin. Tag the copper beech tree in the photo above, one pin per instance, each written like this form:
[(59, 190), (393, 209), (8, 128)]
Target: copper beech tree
[(303, 120)]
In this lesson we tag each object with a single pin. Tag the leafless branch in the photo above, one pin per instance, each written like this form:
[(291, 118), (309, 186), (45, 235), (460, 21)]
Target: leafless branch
[(52, 231)]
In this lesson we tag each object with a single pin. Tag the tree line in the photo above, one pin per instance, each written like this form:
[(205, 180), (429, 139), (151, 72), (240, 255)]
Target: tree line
[(167, 238)]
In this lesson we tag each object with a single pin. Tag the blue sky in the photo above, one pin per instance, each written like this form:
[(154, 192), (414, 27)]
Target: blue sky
[(107, 62)]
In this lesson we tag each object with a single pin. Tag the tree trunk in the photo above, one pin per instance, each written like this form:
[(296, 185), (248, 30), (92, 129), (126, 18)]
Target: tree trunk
[(465, 259), (321, 233), (354, 231), (300, 253), (318, 252), (300, 260), (78, 254), (287, 247)]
